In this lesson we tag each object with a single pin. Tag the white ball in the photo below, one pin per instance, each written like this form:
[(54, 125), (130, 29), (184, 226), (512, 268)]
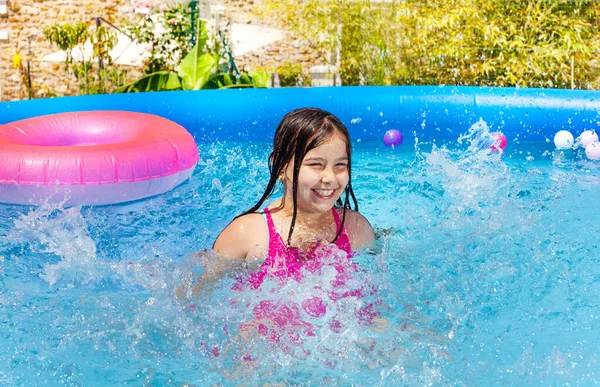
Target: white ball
[(592, 151), (563, 139), (588, 137)]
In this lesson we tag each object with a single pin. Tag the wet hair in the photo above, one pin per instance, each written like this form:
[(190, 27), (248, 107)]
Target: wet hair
[(298, 132)]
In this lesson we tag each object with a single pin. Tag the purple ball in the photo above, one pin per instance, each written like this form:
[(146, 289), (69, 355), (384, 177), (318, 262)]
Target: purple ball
[(393, 138)]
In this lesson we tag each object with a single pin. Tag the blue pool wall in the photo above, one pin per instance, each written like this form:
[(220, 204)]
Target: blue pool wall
[(429, 113)]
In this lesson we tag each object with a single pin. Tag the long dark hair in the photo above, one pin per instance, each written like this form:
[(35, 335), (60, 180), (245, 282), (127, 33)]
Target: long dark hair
[(298, 132)]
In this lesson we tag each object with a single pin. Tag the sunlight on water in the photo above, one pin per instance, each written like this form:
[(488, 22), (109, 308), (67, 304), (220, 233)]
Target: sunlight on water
[(486, 272)]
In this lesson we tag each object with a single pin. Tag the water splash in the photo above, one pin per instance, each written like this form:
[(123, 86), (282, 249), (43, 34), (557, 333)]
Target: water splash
[(472, 177), (61, 232), (329, 320)]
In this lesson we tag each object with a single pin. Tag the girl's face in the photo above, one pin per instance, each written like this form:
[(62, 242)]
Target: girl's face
[(322, 178)]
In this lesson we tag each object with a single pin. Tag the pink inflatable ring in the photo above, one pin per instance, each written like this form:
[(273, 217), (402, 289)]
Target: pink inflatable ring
[(93, 158)]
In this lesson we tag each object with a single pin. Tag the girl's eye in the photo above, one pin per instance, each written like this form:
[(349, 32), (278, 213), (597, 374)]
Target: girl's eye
[(314, 165), (342, 164)]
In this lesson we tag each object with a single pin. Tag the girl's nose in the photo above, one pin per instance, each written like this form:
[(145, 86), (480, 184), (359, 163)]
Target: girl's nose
[(328, 175)]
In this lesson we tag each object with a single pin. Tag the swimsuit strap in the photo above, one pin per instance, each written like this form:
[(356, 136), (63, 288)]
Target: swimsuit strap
[(343, 241), (276, 244), (270, 224), (337, 218)]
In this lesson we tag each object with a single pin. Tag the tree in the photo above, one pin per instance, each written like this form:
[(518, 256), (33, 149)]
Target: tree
[(529, 43)]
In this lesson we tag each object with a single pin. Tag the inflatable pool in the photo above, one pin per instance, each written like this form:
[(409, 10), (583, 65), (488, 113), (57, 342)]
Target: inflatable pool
[(93, 158), (428, 113), (487, 270)]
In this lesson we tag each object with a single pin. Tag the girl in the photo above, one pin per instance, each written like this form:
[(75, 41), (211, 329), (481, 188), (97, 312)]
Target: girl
[(311, 157), (298, 233)]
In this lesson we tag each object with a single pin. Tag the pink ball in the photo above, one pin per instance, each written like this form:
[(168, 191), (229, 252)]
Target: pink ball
[(499, 142), (393, 138)]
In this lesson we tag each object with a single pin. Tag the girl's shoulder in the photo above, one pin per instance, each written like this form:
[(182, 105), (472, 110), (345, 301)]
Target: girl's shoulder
[(246, 236), (359, 230), (353, 217)]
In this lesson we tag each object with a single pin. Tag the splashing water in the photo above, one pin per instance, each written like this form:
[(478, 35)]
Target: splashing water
[(51, 229), (486, 272)]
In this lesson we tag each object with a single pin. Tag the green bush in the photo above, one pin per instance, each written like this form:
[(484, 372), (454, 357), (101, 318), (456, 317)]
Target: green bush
[(178, 62), (529, 43), (198, 70), (168, 32), (91, 77), (292, 74)]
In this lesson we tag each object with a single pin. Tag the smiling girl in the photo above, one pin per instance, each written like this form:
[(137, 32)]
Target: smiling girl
[(312, 227), (311, 157)]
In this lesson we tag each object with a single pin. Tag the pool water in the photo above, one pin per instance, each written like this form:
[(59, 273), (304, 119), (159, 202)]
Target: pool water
[(486, 272)]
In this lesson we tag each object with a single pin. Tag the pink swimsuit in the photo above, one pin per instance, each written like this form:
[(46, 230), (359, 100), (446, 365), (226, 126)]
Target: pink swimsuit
[(275, 318), (283, 262)]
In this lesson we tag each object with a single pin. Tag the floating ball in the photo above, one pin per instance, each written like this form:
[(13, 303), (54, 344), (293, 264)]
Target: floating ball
[(587, 137), (499, 142), (393, 138), (592, 151), (563, 139)]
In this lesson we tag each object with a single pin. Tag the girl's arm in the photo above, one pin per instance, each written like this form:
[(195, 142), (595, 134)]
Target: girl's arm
[(240, 246), (214, 267), (245, 237)]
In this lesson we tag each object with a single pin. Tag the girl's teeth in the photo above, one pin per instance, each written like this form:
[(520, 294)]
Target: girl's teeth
[(324, 192)]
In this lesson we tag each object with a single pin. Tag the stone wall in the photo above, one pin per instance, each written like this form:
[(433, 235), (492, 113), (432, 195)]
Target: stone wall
[(26, 20)]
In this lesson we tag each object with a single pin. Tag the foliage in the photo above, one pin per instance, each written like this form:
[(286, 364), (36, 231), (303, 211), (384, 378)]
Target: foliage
[(67, 36), (260, 79), (289, 74), (196, 71), (160, 80), (92, 70), (227, 81), (168, 31), (174, 63), (292, 74), (196, 68), (257, 79), (530, 43)]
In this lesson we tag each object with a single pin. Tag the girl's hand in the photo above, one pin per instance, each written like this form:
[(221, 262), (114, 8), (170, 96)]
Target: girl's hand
[(381, 232)]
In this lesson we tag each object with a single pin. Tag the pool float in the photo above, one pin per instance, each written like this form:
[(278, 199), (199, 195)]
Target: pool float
[(93, 158)]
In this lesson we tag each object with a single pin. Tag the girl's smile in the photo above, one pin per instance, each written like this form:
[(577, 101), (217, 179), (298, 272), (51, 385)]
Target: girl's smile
[(324, 193)]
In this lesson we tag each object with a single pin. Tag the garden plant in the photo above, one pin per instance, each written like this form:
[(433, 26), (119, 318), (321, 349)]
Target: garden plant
[(528, 43), (94, 71)]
